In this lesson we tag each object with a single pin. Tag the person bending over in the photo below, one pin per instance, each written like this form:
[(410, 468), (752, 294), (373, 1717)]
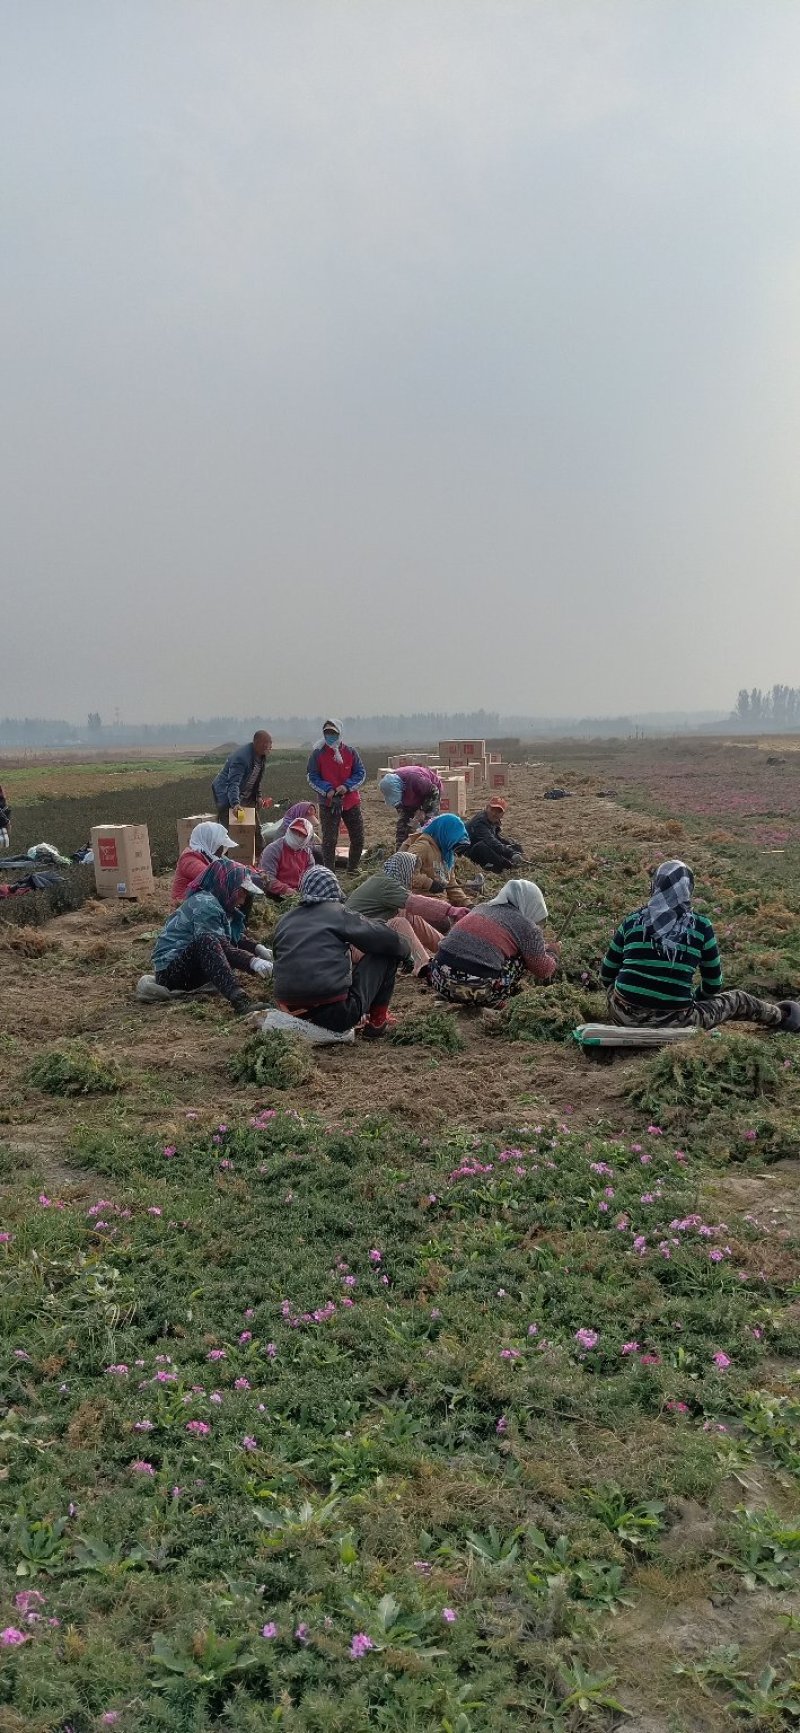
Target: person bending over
[(650, 967), (436, 847), (314, 972), (412, 790)]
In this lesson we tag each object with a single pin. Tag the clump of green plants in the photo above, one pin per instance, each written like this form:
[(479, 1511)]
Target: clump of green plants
[(706, 1074), (75, 1070), (437, 1030), (549, 1013), (272, 1060)]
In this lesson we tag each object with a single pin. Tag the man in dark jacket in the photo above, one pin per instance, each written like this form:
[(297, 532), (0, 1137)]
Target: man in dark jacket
[(313, 969), (239, 781), (487, 846)]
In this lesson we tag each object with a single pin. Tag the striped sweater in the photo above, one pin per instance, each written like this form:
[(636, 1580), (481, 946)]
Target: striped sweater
[(635, 968), (487, 938)]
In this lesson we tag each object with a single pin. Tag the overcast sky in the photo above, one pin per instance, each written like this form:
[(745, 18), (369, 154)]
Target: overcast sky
[(398, 354)]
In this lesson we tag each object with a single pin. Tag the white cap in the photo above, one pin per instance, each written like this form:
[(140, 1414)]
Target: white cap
[(252, 888)]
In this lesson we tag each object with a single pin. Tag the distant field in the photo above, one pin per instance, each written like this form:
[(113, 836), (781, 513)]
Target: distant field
[(61, 777)]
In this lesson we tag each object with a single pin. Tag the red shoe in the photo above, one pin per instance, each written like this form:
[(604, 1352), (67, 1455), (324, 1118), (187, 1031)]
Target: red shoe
[(374, 1030)]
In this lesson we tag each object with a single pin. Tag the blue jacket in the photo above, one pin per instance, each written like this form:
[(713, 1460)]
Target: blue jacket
[(200, 913), (226, 788)]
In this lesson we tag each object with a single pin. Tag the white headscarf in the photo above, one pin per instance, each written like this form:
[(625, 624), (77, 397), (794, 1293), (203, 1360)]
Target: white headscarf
[(206, 838), (524, 895), (299, 834), (321, 743)]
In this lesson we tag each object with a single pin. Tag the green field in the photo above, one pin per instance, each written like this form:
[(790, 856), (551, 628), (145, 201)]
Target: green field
[(445, 1388)]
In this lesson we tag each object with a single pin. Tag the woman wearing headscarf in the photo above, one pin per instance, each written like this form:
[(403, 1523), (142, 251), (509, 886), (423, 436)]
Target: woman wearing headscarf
[(482, 960), (650, 967), (5, 820), (314, 972), (411, 790), (336, 772), (285, 860), (204, 941), (206, 842), (436, 847), (386, 896)]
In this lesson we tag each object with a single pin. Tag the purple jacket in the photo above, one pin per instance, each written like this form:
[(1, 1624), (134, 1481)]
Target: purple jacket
[(419, 784)]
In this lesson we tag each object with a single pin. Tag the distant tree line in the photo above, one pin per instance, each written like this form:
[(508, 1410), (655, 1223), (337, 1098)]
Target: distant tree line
[(778, 709)]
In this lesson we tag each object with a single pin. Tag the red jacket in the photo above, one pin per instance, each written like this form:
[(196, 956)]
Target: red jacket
[(190, 866), (325, 773)]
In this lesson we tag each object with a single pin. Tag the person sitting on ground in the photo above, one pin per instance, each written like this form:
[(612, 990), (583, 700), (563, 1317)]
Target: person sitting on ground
[(436, 847), (314, 972), (411, 790), (205, 939), (285, 860), (482, 960), (5, 820), (336, 772), (386, 896), (650, 966), (304, 809), (239, 781), (487, 847), (206, 842)]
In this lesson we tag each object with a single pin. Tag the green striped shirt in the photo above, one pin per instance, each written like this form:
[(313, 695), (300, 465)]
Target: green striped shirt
[(633, 965)]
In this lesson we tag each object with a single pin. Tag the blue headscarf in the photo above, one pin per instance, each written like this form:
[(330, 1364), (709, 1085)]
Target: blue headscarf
[(447, 831)]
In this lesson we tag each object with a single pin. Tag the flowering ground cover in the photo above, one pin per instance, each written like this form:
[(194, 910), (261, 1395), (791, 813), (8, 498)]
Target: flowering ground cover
[(449, 1386)]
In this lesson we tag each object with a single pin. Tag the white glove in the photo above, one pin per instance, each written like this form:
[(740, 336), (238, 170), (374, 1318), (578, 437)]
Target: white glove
[(261, 966), (265, 952)]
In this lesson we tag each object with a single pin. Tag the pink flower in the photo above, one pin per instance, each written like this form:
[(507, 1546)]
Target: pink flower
[(216, 1354), (636, 1148), (198, 1428), (28, 1600), (11, 1637), (246, 1336), (5, 1239), (143, 1426), (749, 1136), (140, 1467), (271, 1350), (215, 1397), (241, 1384), (360, 1645), (654, 1131), (587, 1338), (110, 1718), (629, 1348), (249, 1443), (678, 1407), (509, 1353), (435, 1312), (302, 1633), (250, 1312), (170, 1149), (120, 1371), (651, 1360), (721, 1361), (502, 1424), (269, 1631), (153, 1210), (449, 1615), (375, 1258)]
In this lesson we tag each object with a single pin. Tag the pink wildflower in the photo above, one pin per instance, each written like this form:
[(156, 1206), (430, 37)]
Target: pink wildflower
[(360, 1645), (11, 1637), (629, 1348), (140, 1467), (249, 1443), (302, 1633), (170, 1149), (198, 1428), (143, 1426), (270, 1350), (449, 1615), (269, 1631), (375, 1256), (721, 1361), (587, 1338), (502, 1424), (216, 1354)]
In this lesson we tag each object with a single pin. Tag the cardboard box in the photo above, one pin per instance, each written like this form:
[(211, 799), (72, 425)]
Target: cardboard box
[(247, 838), (479, 770), (498, 776), (454, 795), (495, 758), (186, 826), (122, 864)]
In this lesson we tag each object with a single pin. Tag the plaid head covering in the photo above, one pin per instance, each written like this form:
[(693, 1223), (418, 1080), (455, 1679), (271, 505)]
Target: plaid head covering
[(401, 867), (319, 885), (667, 917), (223, 879)]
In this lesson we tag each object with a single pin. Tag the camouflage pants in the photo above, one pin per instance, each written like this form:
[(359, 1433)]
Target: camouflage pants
[(731, 1005)]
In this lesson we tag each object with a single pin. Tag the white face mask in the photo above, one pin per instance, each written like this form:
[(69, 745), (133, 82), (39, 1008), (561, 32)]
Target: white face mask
[(295, 840)]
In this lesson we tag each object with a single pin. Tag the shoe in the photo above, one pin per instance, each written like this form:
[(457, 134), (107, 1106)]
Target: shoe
[(241, 1006), (375, 1031), (790, 1016), (148, 991)]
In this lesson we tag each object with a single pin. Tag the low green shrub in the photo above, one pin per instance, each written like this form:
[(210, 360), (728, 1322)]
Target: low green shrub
[(272, 1060), (437, 1029), (710, 1072), (74, 1070)]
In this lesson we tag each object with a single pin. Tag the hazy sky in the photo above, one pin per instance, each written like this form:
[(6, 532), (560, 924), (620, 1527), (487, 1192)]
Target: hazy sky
[(398, 354)]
